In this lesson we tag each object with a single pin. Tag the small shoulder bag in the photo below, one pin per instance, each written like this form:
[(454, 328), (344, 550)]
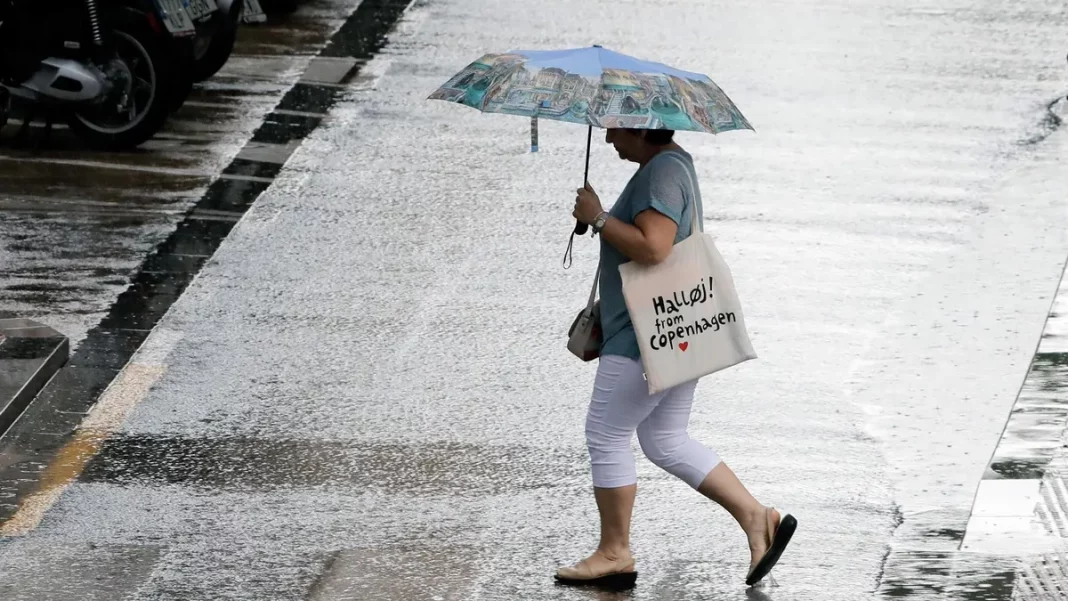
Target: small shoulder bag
[(584, 337)]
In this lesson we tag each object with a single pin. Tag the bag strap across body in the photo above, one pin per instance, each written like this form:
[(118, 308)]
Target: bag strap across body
[(695, 220)]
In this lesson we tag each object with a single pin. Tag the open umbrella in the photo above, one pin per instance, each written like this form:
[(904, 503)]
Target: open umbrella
[(596, 87)]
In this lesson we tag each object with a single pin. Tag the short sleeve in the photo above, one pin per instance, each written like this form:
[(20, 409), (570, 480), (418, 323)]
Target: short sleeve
[(662, 188)]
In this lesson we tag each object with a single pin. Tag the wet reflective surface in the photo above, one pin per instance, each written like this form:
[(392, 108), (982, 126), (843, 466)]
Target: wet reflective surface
[(365, 392), (1022, 500), (75, 224)]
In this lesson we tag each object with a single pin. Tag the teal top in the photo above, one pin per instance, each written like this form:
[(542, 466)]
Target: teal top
[(665, 186)]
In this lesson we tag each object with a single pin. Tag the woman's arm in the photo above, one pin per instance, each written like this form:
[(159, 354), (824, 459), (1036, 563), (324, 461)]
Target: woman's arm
[(648, 242)]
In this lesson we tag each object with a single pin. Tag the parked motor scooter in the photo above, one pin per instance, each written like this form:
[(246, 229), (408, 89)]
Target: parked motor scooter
[(100, 65), (178, 21), (210, 27)]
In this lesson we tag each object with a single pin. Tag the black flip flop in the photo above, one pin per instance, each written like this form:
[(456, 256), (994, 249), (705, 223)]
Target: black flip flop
[(783, 534), (618, 581)]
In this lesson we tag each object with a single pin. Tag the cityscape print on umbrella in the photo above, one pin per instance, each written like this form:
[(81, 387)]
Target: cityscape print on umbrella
[(505, 83)]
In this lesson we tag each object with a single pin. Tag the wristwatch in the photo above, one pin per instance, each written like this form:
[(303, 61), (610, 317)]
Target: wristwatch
[(598, 223)]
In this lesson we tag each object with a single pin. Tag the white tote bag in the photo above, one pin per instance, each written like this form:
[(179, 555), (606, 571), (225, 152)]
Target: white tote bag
[(685, 311)]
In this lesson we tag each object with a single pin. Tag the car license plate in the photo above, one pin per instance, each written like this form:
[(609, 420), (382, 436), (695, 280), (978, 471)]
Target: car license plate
[(201, 8), (252, 12), (175, 17)]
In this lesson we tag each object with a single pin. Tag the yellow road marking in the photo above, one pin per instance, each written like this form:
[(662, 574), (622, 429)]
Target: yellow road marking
[(111, 410)]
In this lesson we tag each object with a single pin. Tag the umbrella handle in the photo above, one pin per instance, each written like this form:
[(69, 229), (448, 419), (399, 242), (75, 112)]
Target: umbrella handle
[(580, 228)]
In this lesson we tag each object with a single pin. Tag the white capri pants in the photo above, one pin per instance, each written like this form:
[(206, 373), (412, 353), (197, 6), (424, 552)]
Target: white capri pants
[(621, 404)]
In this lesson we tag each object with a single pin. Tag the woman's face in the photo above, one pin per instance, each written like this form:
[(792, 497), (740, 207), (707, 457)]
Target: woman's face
[(628, 144)]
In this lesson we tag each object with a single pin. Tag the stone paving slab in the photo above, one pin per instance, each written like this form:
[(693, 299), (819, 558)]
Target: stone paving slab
[(30, 354)]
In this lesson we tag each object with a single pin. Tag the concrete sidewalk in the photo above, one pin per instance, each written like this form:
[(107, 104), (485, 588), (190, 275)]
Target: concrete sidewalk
[(1021, 505)]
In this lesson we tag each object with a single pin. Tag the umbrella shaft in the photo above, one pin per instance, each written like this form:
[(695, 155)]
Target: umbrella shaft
[(589, 139)]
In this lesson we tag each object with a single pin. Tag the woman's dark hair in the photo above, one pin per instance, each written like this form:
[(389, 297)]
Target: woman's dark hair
[(656, 137)]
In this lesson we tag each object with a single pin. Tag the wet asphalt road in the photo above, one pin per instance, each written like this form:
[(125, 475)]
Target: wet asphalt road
[(75, 223), (365, 394)]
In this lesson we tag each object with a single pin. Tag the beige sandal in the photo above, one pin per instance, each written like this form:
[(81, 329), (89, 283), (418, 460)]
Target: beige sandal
[(581, 574)]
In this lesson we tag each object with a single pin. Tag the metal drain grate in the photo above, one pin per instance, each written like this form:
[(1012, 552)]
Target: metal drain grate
[(1044, 580), (1052, 509)]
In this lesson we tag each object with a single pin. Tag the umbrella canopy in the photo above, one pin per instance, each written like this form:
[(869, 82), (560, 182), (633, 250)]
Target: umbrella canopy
[(593, 86)]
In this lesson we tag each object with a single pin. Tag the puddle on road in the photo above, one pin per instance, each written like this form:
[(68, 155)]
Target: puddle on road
[(24, 187), (242, 463)]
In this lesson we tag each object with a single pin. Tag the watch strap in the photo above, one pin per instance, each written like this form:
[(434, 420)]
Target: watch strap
[(598, 224)]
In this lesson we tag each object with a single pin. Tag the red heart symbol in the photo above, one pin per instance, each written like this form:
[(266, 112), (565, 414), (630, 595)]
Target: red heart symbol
[(683, 345)]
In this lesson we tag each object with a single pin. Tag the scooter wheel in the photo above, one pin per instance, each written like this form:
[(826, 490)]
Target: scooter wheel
[(218, 52), (148, 98), (181, 84)]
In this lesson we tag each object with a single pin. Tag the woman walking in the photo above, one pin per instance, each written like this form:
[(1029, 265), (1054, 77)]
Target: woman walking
[(654, 212)]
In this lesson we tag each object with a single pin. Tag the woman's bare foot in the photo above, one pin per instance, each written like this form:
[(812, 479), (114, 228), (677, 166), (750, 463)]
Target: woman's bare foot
[(599, 564), (760, 530)]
